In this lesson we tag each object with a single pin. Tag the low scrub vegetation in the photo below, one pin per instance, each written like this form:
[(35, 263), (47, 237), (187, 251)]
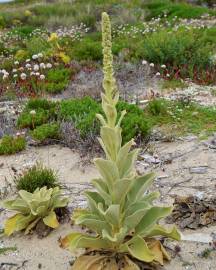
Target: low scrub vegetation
[(37, 52), (183, 116), (182, 10)]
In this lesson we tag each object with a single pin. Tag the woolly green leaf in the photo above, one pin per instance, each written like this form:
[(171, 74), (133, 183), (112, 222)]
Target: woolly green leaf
[(79, 240), (149, 198), (23, 222), (126, 164), (108, 170), (121, 118), (102, 190), (11, 224), (158, 230), (140, 186), (120, 190), (26, 196), (51, 220), (112, 214), (101, 118), (135, 213), (17, 205), (94, 199), (118, 237), (137, 248), (111, 141), (152, 216), (93, 222)]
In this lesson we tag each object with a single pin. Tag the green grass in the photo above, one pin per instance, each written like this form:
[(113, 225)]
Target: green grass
[(10, 145), (183, 116), (173, 84), (37, 177)]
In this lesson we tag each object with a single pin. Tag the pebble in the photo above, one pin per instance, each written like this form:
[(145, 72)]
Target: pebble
[(199, 170), (151, 159)]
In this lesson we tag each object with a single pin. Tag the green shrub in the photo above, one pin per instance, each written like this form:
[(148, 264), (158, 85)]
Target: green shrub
[(21, 55), (87, 49), (22, 31), (58, 75), (37, 45), (37, 103), (2, 22), (157, 107), (37, 177), (44, 111), (183, 47), (54, 88), (10, 145), (26, 119), (157, 8), (82, 112), (45, 131), (58, 79)]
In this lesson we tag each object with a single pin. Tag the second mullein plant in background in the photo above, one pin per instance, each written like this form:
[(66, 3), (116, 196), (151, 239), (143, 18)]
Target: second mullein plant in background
[(121, 213)]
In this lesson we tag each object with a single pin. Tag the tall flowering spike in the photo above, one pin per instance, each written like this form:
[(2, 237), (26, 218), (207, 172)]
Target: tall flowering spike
[(109, 82), (111, 138)]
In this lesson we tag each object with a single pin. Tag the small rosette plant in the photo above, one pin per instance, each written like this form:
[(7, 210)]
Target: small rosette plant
[(120, 213), (33, 207)]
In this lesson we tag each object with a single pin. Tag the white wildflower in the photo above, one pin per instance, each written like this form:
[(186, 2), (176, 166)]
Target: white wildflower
[(151, 65), (42, 77), (33, 112), (36, 67), (49, 65), (5, 76), (35, 56), (23, 76), (144, 62), (42, 65)]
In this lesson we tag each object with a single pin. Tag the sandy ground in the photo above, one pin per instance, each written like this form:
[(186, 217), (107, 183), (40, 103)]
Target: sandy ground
[(33, 253), (63, 160)]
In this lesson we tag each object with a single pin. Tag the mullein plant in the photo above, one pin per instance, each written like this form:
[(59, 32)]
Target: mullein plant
[(120, 214)]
